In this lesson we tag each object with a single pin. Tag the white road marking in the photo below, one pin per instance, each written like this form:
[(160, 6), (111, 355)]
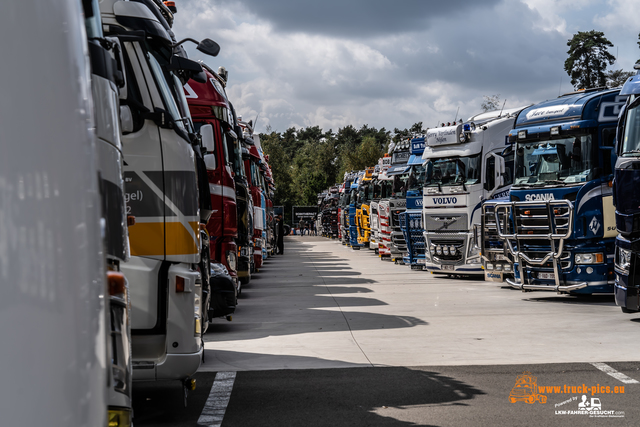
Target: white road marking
[(216, 406), (615, 374)]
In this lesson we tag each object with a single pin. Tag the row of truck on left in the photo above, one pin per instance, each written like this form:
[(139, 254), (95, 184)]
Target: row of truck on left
[(131, 213)]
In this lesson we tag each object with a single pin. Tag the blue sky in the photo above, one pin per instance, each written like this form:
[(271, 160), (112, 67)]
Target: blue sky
[(391, 64)]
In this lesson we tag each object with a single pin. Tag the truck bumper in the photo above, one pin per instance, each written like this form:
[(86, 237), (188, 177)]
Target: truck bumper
[(173, 367), (575, 280), (627, 297)]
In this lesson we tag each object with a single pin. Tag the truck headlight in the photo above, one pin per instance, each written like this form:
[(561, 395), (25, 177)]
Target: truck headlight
[(232, 260), (473, 250), (592, 258), (623, 258)]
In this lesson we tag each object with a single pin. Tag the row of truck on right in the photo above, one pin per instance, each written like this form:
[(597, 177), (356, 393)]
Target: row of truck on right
[(542, 196)]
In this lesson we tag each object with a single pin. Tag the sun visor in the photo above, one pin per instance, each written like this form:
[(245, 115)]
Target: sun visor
[(631, 86), (397, 169), (415, 160), (137, 16)]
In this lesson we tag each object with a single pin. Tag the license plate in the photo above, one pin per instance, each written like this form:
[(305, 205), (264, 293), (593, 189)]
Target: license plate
[(546, 276), (447, 267), (421, 261)]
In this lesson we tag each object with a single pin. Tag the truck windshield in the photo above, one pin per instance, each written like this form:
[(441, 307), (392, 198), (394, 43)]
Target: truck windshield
[(386, 187), (165, 91), (364, 192), (631, 138), (354, 197), (417, 178), (399, 188), (454, 170), (555, 161)]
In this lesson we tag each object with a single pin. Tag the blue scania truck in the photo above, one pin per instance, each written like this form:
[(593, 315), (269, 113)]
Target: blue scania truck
[(627, 200), (411, 219), (561, 231)]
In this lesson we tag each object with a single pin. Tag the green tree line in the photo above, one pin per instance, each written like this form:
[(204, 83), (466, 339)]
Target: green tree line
[(306, 161)]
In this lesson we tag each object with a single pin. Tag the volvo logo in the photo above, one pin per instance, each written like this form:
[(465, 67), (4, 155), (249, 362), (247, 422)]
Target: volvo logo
[(445, 200)]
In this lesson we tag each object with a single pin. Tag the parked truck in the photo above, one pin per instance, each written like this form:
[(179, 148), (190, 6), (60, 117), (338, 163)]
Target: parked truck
[(165, 273), (354, 206), (208, 105), (561, 229), (365, 195), (107, 78), (399, 173), (625, 198), (54, 322), (466, 164), (411, 219)]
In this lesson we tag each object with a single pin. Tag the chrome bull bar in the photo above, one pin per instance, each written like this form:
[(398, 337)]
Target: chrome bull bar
[(550, 220)]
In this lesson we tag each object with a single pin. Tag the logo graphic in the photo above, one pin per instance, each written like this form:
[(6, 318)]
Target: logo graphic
[(526, 390), (594, 405), (539, 197), (594, 225), (445, 200)]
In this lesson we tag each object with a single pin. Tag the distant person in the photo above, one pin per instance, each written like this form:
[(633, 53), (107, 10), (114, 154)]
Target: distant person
[(301, 227), (315, 232), (280, 231)]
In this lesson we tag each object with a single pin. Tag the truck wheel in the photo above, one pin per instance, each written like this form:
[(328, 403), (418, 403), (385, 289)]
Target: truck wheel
[(543, 399), (531, 400)]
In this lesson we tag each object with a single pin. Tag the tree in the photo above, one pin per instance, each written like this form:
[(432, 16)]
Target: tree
[(365, 155), (588, 59), (491, 102), (617, 78)]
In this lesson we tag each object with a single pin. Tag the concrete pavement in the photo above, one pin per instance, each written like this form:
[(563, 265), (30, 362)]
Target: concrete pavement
[(323, 305)]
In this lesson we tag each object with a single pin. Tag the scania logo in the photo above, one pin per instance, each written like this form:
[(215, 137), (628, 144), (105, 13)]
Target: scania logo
[(445, 200), (539, 197)]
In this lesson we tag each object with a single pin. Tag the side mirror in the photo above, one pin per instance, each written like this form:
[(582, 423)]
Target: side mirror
[(206, 131), (184, 64), (210, 161), (209, 47), (126, 119)]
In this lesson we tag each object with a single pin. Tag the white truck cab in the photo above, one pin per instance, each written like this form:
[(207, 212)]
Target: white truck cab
[(466, 164), (55, 366), (166, 281)]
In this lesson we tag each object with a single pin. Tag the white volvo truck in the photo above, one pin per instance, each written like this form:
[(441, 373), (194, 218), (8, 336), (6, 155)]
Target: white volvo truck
[(55, 366), (466, 164), (162, 193)]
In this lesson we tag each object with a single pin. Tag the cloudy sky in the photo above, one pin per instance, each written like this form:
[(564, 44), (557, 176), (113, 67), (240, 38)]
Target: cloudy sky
[(388, 64)]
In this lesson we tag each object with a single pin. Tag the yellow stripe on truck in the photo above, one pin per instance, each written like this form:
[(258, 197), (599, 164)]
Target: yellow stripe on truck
[(147, 239), (179, 240)]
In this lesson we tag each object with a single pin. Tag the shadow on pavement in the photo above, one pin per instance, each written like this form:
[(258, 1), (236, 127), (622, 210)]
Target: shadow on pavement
[(575, 299), (305, 291), (337, 397)]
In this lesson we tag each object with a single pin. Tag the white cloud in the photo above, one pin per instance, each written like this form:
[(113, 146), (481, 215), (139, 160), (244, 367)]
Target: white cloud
[(389, 79)]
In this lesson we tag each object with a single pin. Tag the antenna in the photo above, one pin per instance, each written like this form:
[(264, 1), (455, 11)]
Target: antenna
[(560, 87), (456, 118), (500, 115), (255, 122)]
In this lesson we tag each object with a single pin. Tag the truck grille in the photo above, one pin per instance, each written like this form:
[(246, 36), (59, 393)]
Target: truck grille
[(411, 224), (444, 223)]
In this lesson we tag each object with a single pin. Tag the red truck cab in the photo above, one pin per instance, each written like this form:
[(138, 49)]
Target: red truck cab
[(209, 105)]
